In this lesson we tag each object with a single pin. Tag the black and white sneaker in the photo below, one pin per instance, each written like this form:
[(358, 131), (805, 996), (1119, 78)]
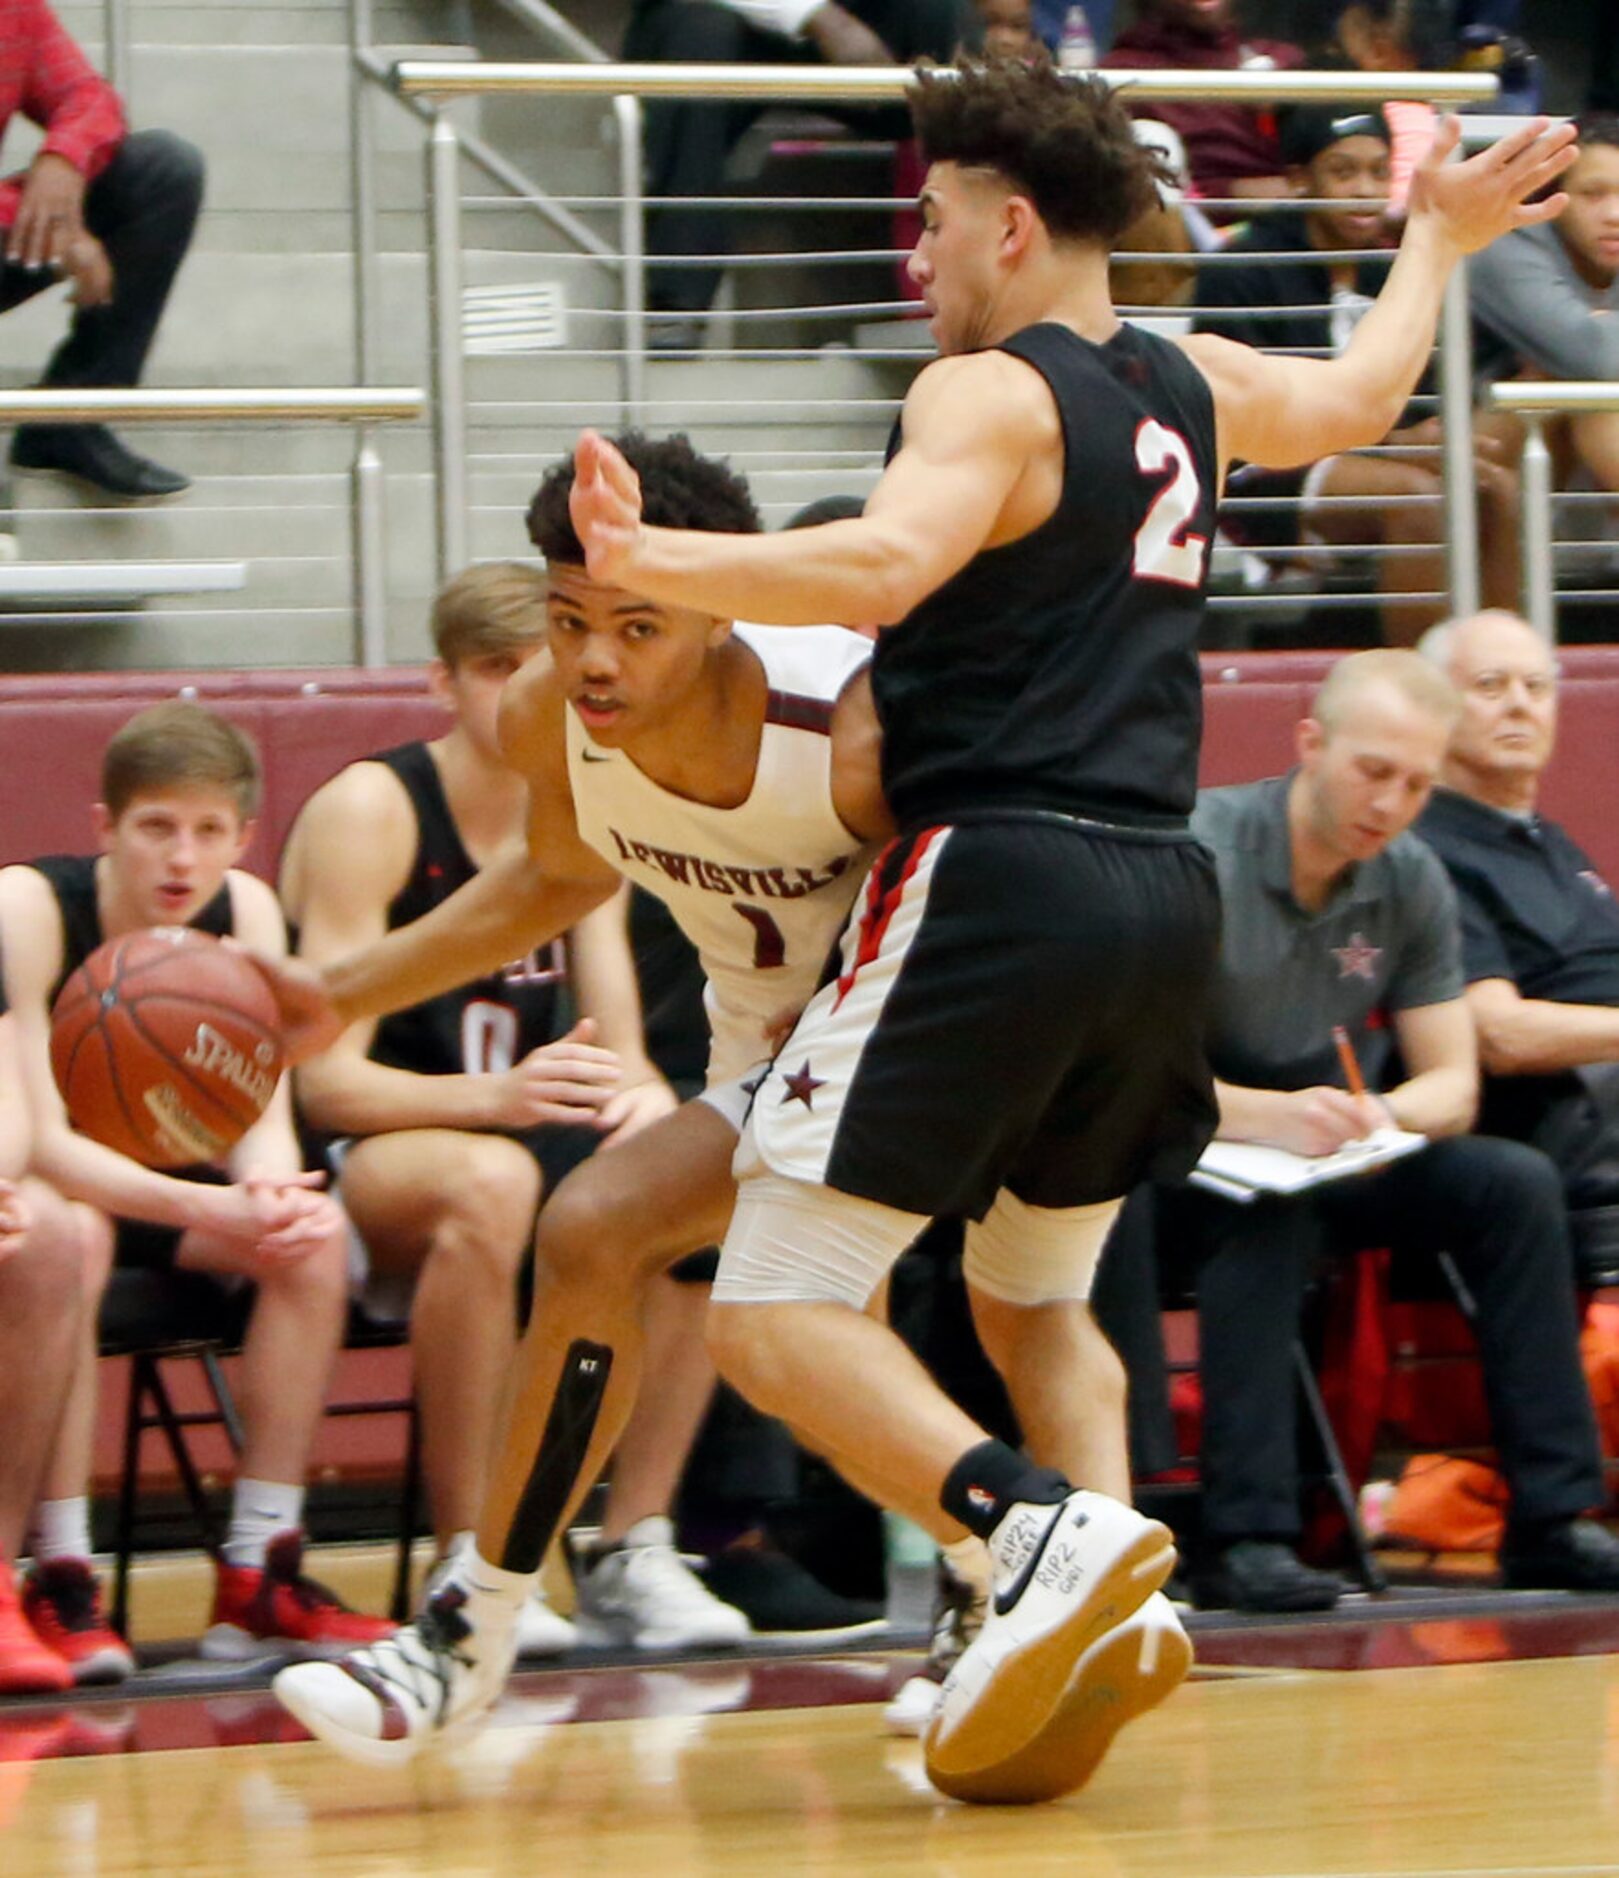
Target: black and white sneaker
[(1063, 1576), (384, 1704)]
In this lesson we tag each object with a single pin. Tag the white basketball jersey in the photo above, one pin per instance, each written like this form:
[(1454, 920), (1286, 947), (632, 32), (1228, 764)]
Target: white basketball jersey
[(761, 890)]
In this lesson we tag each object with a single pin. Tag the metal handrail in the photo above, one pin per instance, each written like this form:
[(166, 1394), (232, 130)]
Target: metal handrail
[(360, 407), (805, 84), (77, 405), (1534, 403)]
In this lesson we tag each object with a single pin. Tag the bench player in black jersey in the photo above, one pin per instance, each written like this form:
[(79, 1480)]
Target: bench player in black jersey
[(455, 1118), (180, 788), (1015, 1028)]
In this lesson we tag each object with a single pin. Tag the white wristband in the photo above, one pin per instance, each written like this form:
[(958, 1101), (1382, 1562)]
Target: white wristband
[(786, 17)]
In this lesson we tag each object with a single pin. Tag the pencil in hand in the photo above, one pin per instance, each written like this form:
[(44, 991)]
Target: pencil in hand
[(1355, 1082)]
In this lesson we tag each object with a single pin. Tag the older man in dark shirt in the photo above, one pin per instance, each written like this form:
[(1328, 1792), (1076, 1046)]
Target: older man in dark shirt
[(1335, 915), (1231, 149), (1540, 925), (110, 212)]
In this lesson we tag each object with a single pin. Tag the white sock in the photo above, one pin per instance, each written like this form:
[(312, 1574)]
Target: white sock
[(259, 1511), (61, 1528), (494, 1596)]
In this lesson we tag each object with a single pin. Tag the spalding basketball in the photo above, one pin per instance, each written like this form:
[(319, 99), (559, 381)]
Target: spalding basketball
[(165, 1046)]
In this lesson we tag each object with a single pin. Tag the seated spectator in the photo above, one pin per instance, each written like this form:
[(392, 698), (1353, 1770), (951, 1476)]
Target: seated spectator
[(111, 212), (47, 1249), (1335, 915), (1346, 158), (1540, 927), (180, 788), (1546, 299), (456, 1118), (1232, 149), (1395, 36), (688, 140)]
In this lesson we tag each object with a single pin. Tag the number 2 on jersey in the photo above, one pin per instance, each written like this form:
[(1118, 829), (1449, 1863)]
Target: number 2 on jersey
[(769, 947), (1164, 550)]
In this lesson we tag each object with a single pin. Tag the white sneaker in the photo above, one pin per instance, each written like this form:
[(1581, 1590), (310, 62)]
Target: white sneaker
[(384, 1704), (541, 1631), (642, 1594), (1123, 1674), (1064, 1577)]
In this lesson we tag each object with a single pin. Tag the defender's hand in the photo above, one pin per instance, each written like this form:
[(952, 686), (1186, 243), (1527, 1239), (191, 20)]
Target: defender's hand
[(605, 504), (1474, 203), (310, 1021)]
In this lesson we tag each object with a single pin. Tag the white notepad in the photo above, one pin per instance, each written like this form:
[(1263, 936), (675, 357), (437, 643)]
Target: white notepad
[(1242, 1170)]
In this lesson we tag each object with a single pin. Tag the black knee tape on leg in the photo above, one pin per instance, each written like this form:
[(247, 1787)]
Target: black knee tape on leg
[(563, 1446)]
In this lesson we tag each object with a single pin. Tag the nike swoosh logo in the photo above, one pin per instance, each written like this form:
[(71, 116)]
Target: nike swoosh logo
[(590, 756), (1005, 1600)]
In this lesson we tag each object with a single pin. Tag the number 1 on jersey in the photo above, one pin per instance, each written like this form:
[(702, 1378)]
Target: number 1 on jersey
[(769, 947), (1164, 550)]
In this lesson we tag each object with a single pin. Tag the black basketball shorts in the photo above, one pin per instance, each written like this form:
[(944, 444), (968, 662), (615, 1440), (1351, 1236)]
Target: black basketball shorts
[(1020, 1002)]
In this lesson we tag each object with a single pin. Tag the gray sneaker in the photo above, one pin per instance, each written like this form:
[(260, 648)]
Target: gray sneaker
[(959, 1601), (641, 1593)]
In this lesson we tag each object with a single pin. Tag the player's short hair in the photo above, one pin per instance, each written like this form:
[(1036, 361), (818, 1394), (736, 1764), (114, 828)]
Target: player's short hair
[(680, 488), (1412, 676), (498, 606), (1064, 142), (1597, 127), (181, 745)]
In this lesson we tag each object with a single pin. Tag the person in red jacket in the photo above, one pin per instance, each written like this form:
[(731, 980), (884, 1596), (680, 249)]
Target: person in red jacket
[(1230, 149), (108, 210)]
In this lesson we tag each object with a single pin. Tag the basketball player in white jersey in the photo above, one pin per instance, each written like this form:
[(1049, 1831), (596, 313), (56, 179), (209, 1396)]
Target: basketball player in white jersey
[(733, 772)]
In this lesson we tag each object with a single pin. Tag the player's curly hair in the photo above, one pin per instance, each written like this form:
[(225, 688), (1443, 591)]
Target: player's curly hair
[(1066, 143), (680, 488)]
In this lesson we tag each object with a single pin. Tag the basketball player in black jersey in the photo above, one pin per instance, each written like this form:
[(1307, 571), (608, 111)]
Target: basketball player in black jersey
[(455, 1118), (1015, 1029), (180, 788)]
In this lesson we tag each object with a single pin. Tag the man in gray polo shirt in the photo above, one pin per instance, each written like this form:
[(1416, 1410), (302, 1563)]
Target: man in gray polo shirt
[(1335, 915)]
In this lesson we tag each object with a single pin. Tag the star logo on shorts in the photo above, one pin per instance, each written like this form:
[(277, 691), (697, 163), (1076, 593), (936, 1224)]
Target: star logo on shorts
[(1357, 959), (802, 1087)]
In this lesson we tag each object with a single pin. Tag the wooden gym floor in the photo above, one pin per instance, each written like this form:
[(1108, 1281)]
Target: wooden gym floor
[(1454, 1735)]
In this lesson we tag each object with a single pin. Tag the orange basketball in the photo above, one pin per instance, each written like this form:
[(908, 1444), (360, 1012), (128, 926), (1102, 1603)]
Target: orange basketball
[(166, 1046)]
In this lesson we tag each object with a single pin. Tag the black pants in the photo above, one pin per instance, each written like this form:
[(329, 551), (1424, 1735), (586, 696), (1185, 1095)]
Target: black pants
[(142, 209), (1497, 1208), (687, 142)]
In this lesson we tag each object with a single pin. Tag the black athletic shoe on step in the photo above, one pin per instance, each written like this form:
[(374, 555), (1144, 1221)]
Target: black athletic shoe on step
[(1264, 1575)]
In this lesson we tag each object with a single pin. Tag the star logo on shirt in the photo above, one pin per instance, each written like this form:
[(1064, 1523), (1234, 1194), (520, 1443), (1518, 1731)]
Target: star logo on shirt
[(802, 1087), (1357, 959)]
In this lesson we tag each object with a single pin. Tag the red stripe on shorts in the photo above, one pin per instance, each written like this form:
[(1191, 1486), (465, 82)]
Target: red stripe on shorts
[(881, 905)]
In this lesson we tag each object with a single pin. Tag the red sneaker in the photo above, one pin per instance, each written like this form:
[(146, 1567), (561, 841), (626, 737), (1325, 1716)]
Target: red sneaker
[(28, 1666), (279, 1612), (62, 1600)]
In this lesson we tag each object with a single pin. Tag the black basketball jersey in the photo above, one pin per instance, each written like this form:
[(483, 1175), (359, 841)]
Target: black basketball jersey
[(1060, 671), (72, 879), (492, 1022)]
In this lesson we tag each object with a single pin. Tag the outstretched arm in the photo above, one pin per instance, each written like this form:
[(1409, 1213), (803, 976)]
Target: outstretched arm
[(1282, 412), (971, 427)]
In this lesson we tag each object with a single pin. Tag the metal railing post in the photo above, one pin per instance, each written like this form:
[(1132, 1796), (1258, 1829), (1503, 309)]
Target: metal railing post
[(115, 45), (632, 239), (369, 492), (1456, 418), (1535, 495), (449, 387), (363, 187)]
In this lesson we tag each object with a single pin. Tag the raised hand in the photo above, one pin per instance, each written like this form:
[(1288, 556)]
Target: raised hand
[(605, 504), (310, 1021), (1476, 202)]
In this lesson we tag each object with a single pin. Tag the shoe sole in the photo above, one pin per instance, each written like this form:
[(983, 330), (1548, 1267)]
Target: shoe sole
[(228, 1643), (112, 1664), (1022, 1686), (614, 1633), (1120, 1679)]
